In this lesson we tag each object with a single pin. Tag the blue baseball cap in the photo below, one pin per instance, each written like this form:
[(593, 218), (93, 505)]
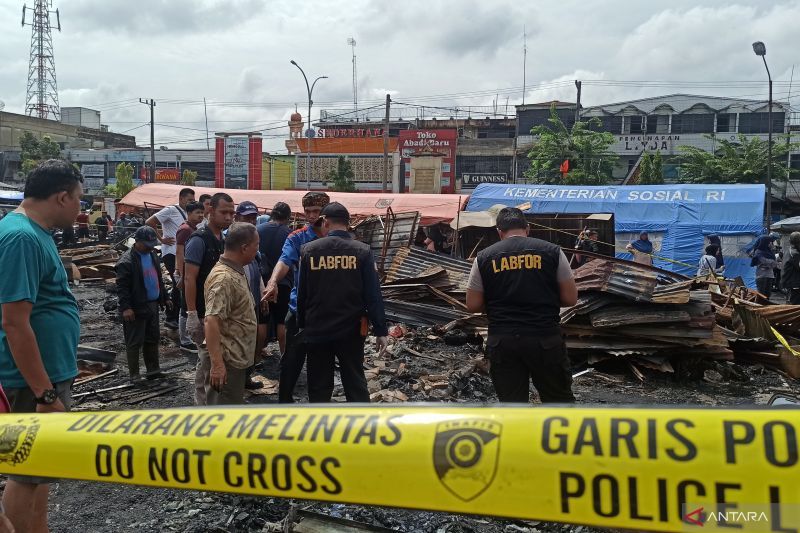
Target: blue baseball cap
[(246, 208)]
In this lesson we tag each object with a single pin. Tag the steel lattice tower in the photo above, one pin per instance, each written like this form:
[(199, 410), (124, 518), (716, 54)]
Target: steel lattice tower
[(42, 95)]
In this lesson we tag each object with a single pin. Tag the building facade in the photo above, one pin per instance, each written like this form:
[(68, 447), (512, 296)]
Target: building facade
[(661, 124), (81, 131)]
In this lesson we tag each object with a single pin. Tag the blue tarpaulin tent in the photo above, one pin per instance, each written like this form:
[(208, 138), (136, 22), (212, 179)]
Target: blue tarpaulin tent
[(683, 214)]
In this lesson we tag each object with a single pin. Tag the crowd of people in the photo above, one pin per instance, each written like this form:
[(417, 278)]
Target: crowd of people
[(237, 282)]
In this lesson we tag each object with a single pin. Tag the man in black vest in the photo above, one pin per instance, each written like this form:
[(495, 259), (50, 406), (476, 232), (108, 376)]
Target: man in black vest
[(201, 253), (337, 291), (521, 283)]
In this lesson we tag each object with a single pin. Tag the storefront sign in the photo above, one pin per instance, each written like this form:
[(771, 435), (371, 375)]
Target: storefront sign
[(436, 141), (168, 174), (93, 170), (237, 151), (469, 180), (349, 132)]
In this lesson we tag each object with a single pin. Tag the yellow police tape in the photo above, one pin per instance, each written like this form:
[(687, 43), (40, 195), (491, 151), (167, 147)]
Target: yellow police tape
[(639, 469)]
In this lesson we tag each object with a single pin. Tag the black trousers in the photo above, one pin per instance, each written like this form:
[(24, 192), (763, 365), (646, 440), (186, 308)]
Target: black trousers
[(516, 360), (175, 294), (794, 296), (142, 335), (321, 360), (764, 286), (292, 360)]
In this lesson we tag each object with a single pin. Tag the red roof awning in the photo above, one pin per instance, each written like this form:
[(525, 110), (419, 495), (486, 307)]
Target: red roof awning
[(432, 207)]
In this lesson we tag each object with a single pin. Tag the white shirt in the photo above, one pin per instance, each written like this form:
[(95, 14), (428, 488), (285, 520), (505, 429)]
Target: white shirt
[(170, 218), (707, 264)]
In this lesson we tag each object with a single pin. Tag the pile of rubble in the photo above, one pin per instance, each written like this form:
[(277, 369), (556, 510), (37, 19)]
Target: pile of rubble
[(637, 315), (89, 262), (642, 315)]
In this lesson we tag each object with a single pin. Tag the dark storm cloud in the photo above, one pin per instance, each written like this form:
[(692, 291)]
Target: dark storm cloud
[(151, 17)]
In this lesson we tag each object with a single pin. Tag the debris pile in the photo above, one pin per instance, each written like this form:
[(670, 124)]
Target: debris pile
[(641, 315), (425, 289), (90, 262)]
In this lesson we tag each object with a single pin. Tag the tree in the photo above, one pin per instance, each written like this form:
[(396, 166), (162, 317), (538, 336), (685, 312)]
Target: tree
[(189, 177), (34, 150), (124, 174), (645, 169), (658, 169), (342, 176), (651, 169), (590, 162), (740, 161)]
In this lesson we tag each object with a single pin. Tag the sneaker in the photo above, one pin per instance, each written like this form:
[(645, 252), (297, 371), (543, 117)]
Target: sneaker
[(190, 347), (136, 378), (156, 374), (252, 384), (171, 324)]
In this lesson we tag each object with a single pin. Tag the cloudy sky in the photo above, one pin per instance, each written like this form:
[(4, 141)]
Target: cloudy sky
[(443, 53)]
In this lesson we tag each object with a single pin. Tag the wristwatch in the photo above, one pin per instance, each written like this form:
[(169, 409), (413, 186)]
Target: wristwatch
[(48, 397)]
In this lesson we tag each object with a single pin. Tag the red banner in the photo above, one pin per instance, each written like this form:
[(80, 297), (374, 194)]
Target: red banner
[(436, 141)]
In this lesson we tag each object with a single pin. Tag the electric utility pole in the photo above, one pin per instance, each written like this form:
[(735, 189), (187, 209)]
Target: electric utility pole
[(152, 104)]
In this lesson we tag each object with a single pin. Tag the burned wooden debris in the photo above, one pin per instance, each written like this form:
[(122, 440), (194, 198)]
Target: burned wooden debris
[(90, 262)]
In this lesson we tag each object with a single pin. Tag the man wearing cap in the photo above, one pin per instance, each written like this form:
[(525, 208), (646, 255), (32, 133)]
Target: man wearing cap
[(141, 291), (272, 236), (338, 292), (247, 212), (294, 355), (521, 283)]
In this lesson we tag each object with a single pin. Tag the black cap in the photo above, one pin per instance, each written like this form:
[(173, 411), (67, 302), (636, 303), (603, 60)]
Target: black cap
[(147, 236), (335, 210)]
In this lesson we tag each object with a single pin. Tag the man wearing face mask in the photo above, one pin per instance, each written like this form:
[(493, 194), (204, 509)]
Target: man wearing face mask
[(294, 356)]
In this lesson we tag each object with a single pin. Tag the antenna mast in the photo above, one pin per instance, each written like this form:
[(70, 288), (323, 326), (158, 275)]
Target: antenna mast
[(42, 95), (524, 61), (352, 43)]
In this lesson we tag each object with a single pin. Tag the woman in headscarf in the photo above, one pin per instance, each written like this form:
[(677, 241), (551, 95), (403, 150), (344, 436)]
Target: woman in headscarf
[(764, 261), (708, 263), (714, 240), (642, 249), (790, 278)]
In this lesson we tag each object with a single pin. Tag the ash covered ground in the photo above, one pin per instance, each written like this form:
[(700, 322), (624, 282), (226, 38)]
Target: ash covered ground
[(443, 373)]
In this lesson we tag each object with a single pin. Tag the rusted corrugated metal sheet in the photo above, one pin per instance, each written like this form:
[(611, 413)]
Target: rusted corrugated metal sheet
[(401, 228), (415, 262)]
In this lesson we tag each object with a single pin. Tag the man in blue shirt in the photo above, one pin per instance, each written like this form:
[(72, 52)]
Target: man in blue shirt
[(272, 237), (295, 355), (40, 322), (140, 289)]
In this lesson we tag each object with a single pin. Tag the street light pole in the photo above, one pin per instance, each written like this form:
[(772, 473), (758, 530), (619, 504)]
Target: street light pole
[(761, 50), (310, 90)]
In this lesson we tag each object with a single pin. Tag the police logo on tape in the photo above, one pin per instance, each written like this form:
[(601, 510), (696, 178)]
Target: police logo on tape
[(16, 440), (465, 455)]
